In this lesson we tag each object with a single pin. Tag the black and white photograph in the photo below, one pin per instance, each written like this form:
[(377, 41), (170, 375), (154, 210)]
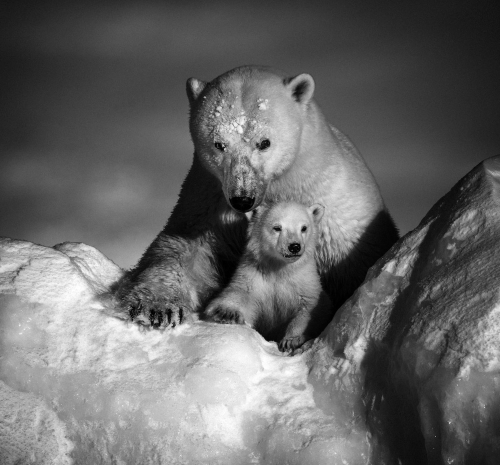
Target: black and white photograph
[(249, 232)]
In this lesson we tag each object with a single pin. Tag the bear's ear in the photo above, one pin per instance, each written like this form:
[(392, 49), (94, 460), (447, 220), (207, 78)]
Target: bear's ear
[(301, 88), (316, 210), (194, 88)]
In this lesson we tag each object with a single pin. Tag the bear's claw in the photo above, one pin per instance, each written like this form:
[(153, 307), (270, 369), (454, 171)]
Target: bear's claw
[(149, 311), (175, 316), (226, 316), (290, 344), (156, 318)]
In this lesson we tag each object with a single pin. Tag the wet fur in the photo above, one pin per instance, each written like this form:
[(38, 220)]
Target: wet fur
[(308, 161), (281, 298)]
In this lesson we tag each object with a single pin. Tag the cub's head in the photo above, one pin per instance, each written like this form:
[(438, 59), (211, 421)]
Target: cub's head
[(284, 231), (246, 126)]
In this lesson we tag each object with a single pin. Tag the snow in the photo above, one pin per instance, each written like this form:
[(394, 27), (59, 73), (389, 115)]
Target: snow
[(422, 335), (110, 393), (262, 103), (408, 370)]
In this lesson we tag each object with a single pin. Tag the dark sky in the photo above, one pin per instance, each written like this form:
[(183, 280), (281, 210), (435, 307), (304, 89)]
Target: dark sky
[(94, 117)]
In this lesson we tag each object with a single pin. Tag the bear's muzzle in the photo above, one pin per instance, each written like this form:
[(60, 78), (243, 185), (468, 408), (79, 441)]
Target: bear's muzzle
[(243, 188), (242, 204)]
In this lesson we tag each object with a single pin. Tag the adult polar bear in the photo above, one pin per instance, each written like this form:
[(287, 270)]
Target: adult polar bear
[(258, 136)]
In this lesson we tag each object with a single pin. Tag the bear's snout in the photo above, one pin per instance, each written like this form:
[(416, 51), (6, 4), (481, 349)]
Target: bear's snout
[(242, 185), (242, 204), (294, 248)]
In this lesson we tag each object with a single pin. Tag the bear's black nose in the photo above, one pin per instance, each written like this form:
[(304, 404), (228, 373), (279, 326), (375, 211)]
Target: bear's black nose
[(294, 248), (242, 204)]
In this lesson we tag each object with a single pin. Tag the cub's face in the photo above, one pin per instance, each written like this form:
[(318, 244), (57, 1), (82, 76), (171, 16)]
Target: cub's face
[(246, 126), (287, 231)]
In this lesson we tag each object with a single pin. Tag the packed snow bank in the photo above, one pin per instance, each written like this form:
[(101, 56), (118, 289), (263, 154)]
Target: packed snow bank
[(419, 341), (408, 370), (78, 384)]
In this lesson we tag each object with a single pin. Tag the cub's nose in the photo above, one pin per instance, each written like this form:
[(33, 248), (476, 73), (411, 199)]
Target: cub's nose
[(242, 204), (294, 248)]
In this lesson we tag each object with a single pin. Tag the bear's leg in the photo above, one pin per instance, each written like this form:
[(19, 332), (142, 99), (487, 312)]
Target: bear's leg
[(307, 324), (222, 312), (190, 259), (295, 332), (232, 306), (163, 290)]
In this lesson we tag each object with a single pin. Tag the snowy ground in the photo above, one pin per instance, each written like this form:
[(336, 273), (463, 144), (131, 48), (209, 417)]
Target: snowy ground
[(408, 370)]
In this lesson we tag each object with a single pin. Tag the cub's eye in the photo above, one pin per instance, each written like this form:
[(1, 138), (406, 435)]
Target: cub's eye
[(304, 228), (220, 146), (263, 144), (277, 228)]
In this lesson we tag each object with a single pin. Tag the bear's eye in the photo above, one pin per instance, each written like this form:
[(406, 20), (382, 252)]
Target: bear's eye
[(263, 144), (304, 228), (220, 146), (277, 228)]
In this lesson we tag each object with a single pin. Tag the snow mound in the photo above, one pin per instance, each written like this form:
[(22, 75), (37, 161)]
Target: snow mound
[(80, 386), (419, 341), (408, 371)]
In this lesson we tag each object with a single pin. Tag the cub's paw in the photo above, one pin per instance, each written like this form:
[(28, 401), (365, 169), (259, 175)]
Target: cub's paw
[(290, 344), (221, 313), (150, 310)]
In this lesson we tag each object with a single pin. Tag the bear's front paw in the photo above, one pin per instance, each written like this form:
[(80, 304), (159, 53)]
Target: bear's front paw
[(290, 344), (154, 311), (225, 315)]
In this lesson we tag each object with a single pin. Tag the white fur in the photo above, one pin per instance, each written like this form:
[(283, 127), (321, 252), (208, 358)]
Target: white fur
[(304, 160), (273, 290)]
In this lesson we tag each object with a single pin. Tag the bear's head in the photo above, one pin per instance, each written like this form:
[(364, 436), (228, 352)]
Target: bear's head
[(246, 126), (284, 231)]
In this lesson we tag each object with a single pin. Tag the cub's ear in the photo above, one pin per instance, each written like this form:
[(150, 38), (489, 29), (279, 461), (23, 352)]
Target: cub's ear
[(194, 88), (301, 88), (316, 210)]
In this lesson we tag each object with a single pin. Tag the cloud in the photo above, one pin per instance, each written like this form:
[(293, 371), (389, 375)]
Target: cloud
[(96, 91)]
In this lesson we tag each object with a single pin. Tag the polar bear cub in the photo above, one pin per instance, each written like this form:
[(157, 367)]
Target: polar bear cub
[(276, 287)]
